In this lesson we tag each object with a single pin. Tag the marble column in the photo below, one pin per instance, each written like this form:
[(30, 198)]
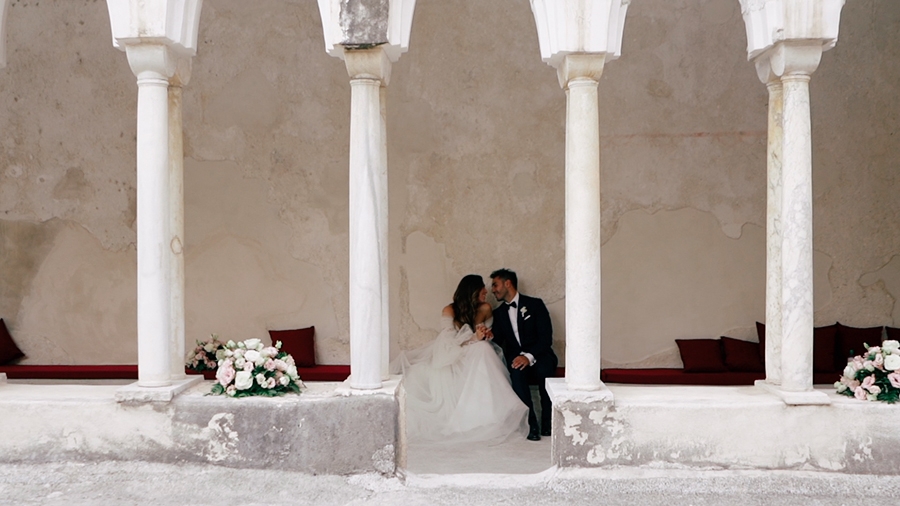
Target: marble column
[(176, 218), (369, 69), (579, 76), (773, 221), (383, 204), (795, 64), (153, 65)]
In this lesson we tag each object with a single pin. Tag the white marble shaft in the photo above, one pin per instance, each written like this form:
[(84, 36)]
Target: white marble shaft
[(797, 252), (4, 9), (368, 70), (383, 245), (176, 219), (580, 75), (153, 65), (795, 63), (774, 235)]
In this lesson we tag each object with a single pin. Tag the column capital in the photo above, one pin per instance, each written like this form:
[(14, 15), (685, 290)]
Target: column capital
[(183, 69), (151, 61), (580, 67), (795, 58), (372, 63)]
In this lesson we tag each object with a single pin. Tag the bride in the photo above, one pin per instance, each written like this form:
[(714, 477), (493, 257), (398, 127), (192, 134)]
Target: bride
[(457, 386)]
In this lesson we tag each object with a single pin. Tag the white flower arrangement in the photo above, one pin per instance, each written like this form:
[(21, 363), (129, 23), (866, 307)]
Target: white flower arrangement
[(203, 356), (250, 368), (873, 376)]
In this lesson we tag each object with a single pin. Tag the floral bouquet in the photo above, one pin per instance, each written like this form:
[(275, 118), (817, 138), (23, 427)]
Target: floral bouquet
[(873, 376), (250, 368), (203, 357)]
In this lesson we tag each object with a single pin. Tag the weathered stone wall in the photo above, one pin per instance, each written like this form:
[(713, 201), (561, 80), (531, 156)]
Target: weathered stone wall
[(476, 155)]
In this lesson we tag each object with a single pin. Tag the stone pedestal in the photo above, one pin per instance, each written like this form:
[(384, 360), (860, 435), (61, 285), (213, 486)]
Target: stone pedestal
[(582, 427)]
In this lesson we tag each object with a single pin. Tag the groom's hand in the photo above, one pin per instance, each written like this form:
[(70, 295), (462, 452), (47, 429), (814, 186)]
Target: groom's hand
[(520, 362)]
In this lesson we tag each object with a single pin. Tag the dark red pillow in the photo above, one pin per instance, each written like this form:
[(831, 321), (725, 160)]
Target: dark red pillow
[(299, 343), (701, 355), (741, 355), (761, 334), (851, 341), (892, 333), (825, 358), (9, 352)]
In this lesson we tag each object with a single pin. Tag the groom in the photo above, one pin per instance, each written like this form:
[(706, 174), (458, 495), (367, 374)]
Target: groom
[(522, 328)]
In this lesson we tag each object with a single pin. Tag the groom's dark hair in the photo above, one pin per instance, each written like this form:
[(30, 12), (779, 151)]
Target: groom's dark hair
[(506, 274)]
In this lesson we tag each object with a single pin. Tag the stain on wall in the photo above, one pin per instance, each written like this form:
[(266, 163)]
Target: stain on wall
[(476, 148)]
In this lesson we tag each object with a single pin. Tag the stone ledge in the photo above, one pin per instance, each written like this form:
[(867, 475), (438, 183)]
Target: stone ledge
[(135, 393), (808, 398)]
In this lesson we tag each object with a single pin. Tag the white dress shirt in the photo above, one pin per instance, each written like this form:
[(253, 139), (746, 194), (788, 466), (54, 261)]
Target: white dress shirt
[(514, 321)]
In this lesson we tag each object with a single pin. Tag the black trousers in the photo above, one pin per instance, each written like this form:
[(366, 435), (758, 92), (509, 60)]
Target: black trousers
[(537, 373)]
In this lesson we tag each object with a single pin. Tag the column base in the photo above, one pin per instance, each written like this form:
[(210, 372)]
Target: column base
[(806, 398), (134, 393), (388, 387), (584, 424), (2, 378)]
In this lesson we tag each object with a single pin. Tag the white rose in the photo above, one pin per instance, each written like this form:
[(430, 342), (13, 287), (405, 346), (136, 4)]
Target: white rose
[(253, 356), (284, 380), (292, 372), (849, 371), (239, 363), (270, 383), (891, 346), (243, 380), (230, 344), (892, 362), (253, 344), (261, 379), (221, 354)]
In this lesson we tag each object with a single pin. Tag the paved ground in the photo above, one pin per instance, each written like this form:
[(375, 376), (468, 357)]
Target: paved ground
[(127, 483)]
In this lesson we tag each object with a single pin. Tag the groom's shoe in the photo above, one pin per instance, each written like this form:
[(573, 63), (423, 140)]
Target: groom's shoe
[(533, 434), (546, 432)]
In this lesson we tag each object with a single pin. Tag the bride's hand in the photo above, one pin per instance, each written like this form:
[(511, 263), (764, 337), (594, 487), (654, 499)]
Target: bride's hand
[(480, 331)]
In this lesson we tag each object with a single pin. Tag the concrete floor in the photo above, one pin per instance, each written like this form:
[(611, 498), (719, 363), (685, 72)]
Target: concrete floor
[(131, 483)]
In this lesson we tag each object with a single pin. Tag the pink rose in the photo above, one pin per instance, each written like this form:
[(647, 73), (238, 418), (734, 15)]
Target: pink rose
[(868, 381), (879, 361), (248, 365), (225, 374), (860, 393), (894, 378), (269, 365)]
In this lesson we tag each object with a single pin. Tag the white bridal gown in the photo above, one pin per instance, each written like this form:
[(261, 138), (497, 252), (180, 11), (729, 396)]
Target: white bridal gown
[(459, 393)]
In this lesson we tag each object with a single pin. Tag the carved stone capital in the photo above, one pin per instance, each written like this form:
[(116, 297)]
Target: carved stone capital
[(182, 75), (151, 62), (580, 66), (793, 59), (372, 63)]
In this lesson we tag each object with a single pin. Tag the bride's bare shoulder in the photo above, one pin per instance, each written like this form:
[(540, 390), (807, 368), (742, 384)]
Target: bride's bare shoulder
[(483, 312), (448, 311)]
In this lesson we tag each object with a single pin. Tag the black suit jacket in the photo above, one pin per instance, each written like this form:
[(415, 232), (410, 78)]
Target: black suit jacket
[(535, 331)]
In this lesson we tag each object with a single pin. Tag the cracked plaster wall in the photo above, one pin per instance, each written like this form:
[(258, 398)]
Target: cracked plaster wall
[(476, 132)]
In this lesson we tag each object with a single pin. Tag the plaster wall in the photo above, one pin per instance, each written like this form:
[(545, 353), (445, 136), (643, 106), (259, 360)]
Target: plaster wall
[(476, 156)]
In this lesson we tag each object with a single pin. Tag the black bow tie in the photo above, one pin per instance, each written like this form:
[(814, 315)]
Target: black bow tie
[(511, 304)]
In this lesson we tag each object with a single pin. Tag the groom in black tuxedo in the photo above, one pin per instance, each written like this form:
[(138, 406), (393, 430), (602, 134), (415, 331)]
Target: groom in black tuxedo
[(523, 330)]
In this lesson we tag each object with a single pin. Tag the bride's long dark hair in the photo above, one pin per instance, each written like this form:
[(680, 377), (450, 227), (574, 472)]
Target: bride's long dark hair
[(465, 300)]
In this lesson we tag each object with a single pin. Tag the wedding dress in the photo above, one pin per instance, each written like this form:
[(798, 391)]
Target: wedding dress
[(458, 391)]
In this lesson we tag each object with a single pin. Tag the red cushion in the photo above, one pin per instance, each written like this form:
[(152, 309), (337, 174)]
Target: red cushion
[(324, 373), (9, 352), (701, 355), (679, 377), (299, 343), (892, 333), (73, 372), (824, 349), (761, 334), (851, 340), (742, 355)]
